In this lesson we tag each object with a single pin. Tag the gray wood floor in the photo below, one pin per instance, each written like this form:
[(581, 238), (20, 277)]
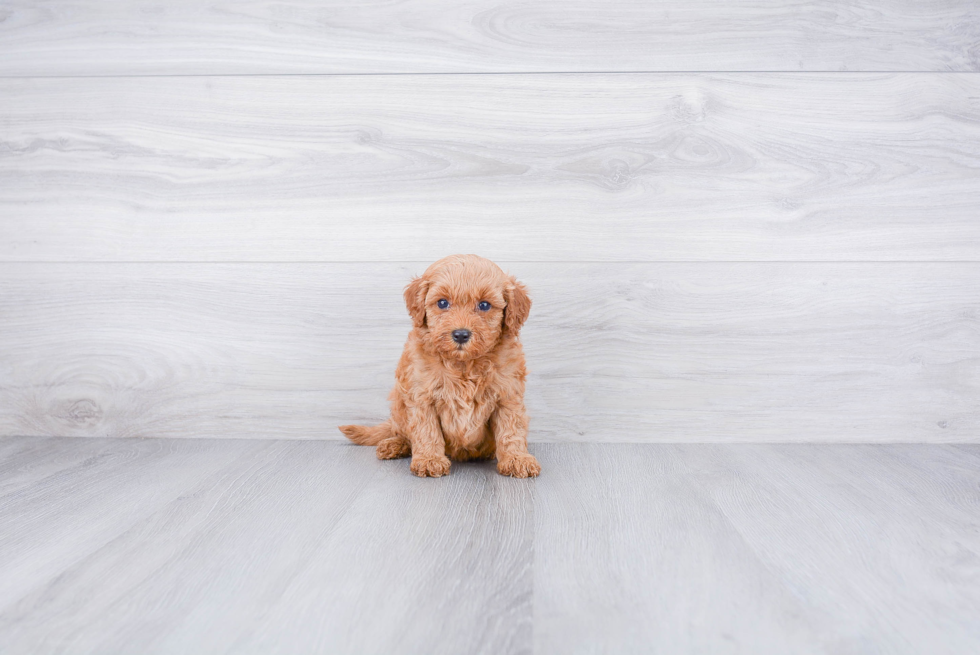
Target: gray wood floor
[(261, 546)]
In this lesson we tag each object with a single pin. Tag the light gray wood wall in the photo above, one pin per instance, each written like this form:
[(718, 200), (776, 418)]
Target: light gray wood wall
[(629, 352), (651, 167), (231, 37), (207, 214)]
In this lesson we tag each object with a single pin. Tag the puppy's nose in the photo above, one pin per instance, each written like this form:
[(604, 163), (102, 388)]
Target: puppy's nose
[(461, 336)]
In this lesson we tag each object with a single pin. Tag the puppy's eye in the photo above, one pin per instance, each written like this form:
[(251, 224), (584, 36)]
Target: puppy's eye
[(443, 303), (484, 306)]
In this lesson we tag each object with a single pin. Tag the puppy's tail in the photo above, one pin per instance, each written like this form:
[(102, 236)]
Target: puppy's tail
[(368, 435)]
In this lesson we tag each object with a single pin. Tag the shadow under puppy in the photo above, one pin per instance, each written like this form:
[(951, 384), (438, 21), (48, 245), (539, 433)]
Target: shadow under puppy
[(459, 385)]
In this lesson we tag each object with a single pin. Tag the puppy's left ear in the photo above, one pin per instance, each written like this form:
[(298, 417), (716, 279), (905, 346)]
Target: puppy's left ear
[(415, 300), (518, 305)]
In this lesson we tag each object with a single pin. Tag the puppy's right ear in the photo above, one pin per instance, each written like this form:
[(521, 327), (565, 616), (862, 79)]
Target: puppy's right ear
[(415, 294)]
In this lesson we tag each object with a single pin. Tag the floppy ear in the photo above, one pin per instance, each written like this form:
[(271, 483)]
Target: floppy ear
[(415, 300), (518, 305)]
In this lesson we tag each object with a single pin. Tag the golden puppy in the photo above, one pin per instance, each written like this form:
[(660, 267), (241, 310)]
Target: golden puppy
[(459, 386)]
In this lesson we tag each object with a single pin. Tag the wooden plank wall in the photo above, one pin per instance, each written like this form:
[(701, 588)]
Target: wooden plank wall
[(738, 223)]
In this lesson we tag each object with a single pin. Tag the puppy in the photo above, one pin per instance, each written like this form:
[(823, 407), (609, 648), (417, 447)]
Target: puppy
[(459, 386)]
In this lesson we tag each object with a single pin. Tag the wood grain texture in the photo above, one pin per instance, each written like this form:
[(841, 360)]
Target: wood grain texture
[(87, 37), (238, 546), (630, 557), (902, 513), (416, 568), (679, 167), (879, 352), (24, 461), (757, 549), (62, 518), (300, 547)]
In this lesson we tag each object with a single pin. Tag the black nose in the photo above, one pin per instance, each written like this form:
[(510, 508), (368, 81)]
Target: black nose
[(461, 336)]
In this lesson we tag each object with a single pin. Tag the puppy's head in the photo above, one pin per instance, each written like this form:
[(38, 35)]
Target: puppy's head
[(464, 304)]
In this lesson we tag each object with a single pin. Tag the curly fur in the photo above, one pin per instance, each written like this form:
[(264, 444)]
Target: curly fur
[(459, 401)]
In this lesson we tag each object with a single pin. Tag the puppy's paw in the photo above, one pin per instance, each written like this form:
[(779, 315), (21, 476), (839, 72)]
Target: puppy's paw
[(521, 465), (430, 467), (393, 448)]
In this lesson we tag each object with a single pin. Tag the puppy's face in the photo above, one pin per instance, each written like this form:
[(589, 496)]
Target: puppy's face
[(464, 304)]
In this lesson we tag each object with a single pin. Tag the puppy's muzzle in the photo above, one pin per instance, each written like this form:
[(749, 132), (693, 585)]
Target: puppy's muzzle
[(461, 336)]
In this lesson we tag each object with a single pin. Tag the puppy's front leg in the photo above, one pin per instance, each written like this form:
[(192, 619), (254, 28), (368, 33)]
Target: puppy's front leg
[(509, 423), (428, 445)]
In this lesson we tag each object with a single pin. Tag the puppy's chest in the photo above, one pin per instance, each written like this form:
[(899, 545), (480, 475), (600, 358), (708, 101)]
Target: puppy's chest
[(464, 404)]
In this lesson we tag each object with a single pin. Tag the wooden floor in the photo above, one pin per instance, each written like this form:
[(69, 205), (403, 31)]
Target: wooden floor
[(270, 546)]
